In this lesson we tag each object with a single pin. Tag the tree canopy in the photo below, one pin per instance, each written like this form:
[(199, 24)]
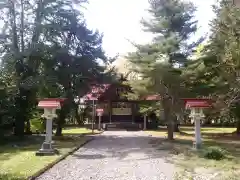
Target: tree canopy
[(47, 51), (162, 61)]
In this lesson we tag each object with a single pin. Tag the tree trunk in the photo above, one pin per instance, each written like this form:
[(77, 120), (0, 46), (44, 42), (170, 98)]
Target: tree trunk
[(37, 22), (167, 113), (78, 117), (238, 126), (236, 111), (58, 130), (19, 126), (28, 127), (22, 26), (14, 28), (176, 125), (20, 116), (61, 118), (170, 130), (1, 131), (60, 122)]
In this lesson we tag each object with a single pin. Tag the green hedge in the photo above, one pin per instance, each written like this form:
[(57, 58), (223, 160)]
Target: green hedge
[(37, 125)]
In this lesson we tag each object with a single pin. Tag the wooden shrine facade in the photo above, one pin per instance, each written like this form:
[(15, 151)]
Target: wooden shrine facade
[(112, 98)]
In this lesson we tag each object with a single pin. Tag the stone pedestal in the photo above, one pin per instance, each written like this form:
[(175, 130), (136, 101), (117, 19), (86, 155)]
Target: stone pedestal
[(99, 122), (198, 141), (46, 148), (145, 123), (196, 146)]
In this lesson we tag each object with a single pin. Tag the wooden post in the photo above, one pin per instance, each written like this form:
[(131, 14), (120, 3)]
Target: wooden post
[(110, 111), (145, 122), (93, 115), (133, 110), (198, 140), (99, 122)]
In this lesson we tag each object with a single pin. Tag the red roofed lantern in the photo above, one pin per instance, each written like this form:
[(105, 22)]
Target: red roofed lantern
[(99, 113), (50, 105), (196, 105)]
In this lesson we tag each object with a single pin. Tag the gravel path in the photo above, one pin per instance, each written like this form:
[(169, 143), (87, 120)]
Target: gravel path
[(114, 155)]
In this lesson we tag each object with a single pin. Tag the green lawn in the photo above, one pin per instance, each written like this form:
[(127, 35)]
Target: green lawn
[(18, 160), (208, 130), (76, 131), (191, 163)]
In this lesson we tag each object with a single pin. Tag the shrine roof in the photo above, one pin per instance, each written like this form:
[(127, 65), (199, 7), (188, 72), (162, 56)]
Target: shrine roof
[(96, 91), (152, 97)]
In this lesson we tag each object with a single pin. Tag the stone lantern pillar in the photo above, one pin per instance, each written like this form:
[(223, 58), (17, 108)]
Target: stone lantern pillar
[(99, 113), (196, 107), (50, 106), (145, 122)]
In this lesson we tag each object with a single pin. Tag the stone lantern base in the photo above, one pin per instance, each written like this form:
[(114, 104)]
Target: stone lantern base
[(46, 150), (197, 146)]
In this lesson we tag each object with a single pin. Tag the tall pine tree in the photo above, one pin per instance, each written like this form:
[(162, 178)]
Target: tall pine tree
[(160, 62), (221, 61)]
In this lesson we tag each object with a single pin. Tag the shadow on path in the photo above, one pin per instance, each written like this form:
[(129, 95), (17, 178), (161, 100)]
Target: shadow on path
[(123, 148)]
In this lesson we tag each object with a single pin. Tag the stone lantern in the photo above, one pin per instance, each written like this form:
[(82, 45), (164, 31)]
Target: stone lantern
[(99, 114), (196, 107), (50, 106)]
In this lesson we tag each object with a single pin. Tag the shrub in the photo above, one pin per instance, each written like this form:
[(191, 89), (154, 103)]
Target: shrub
[(37, 125), (215, 153)]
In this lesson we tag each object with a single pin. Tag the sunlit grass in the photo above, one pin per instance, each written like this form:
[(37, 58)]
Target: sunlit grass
[(18, 161), (208, 130), (157, 133), (78, 131), (191, 162)]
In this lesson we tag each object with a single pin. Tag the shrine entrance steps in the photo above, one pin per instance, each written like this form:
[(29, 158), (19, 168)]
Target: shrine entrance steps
[(129, 126)]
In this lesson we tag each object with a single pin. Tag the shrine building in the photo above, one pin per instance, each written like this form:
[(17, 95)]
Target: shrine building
[(117, 108)]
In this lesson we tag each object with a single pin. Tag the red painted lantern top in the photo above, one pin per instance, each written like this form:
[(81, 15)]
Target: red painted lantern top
[(50, 102), (99, 110), (197, 103)]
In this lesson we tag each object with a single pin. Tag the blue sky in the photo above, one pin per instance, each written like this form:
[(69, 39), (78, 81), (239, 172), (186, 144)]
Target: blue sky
[(119, 20)]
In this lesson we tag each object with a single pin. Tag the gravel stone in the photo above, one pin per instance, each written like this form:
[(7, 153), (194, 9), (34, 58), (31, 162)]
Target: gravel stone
[(114, 155)]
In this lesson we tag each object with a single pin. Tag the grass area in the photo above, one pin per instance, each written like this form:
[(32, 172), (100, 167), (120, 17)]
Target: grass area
[(208, 130), (76, 131), (18, 160), (192, 163)]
